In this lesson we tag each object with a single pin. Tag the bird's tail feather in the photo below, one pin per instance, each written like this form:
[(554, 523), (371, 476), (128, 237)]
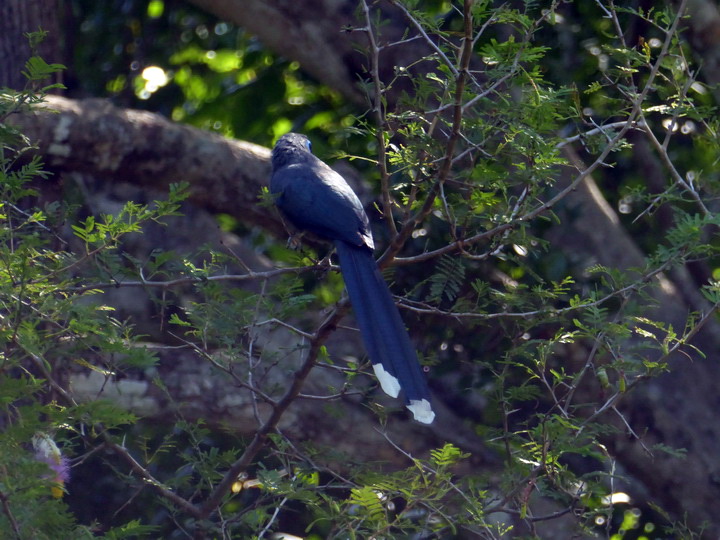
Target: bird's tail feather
[(383, 331)]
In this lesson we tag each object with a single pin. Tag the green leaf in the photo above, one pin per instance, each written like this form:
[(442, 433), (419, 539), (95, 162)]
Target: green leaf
[(37, 69)]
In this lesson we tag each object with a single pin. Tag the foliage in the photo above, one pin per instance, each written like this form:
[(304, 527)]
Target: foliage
[(473, 172), (197, 70), (43, 328)]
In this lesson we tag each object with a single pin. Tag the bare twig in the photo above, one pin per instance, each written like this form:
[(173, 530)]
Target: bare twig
[(188, 280), (428, 40), (461, 75), (380, 123), (259, 439), (5, 501)]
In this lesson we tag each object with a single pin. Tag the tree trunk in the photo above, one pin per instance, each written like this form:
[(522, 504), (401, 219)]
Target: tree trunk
[(17, 17)]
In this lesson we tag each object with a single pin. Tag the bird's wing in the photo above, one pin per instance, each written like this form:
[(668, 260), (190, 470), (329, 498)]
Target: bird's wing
[(319, 200)]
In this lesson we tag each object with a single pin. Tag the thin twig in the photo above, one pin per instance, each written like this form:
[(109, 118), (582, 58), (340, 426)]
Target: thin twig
[(11, 518), (259, 439), (168, 284), (380, 122)]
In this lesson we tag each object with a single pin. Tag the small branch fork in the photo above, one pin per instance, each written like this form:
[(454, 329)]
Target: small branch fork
[(259, 440)]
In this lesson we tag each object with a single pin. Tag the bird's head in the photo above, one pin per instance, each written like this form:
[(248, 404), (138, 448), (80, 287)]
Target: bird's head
[(290, 148)]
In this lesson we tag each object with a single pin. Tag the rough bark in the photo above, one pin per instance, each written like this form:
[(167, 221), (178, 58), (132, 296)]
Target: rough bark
[(120, 145)]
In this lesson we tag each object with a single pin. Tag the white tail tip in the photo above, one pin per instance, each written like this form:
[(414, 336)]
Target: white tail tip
[(422, 411), (388, 383)]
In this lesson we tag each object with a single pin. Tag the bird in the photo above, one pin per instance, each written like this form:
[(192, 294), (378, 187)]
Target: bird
[(313, 197)]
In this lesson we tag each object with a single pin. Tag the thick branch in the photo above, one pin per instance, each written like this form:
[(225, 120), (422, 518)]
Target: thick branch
[(124, 145)]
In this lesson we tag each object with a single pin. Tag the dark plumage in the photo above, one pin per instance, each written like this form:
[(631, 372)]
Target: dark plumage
[(316, 198)]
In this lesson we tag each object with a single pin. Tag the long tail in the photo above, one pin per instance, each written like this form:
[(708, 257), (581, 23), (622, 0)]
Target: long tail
[(386, 339)]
